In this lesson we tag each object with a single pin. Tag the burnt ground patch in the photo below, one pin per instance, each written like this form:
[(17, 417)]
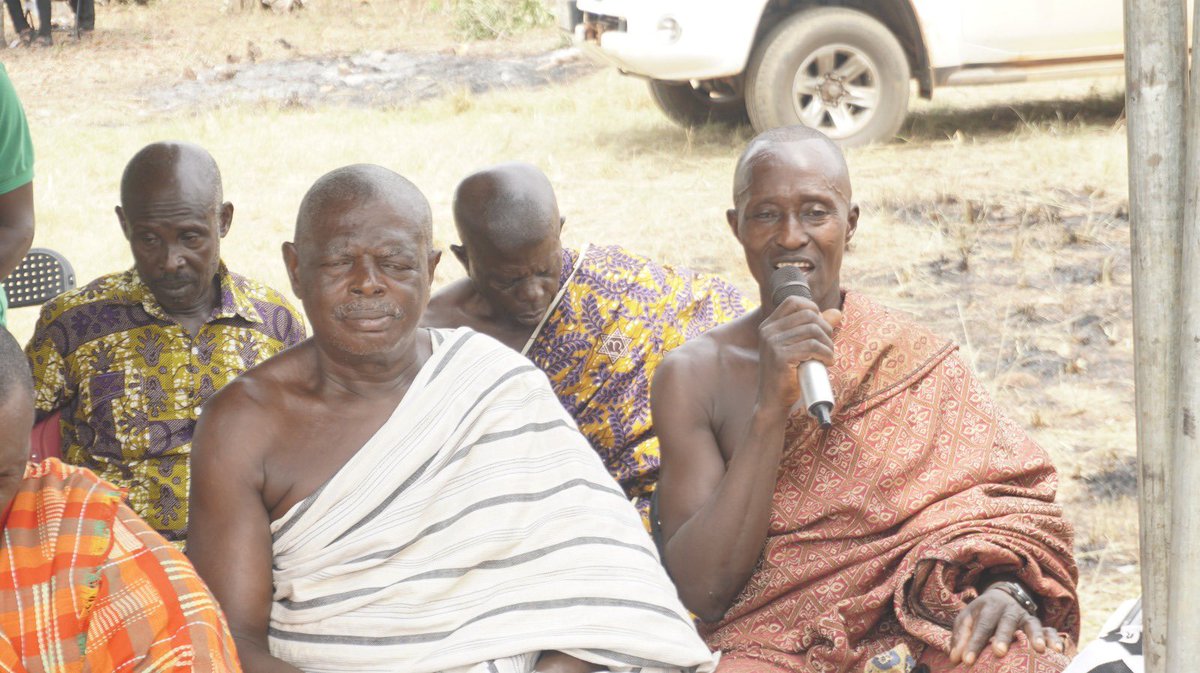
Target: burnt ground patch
[(1065, 313), (368, 79)]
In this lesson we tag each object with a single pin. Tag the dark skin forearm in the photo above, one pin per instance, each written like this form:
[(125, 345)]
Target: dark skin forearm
[(712, 555), (715, 504), (16, 227), (256, 658), (229, 537)]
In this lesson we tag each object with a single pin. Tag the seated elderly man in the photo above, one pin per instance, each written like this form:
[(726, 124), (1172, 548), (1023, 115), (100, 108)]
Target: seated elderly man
[(597, 320), (130, 357), (385, 497), (918, 528), (85, 585)]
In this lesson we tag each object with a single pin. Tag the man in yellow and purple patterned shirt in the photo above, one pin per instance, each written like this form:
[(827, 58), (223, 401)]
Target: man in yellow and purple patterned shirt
[(130, 358)]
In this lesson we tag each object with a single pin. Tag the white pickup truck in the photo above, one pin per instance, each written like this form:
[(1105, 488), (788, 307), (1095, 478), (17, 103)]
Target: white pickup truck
[(842, 66)]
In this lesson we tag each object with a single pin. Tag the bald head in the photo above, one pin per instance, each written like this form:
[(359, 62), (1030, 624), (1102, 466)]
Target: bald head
[(353, 186), (797, 138), (170, 165), (506, 207), (362, 261)]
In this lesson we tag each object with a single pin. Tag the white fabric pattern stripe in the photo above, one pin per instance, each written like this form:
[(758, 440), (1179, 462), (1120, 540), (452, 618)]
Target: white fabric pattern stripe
[(476, 529)]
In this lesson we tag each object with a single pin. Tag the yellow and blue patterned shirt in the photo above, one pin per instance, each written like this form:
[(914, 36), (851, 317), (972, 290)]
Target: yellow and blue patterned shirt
[(130, 380), (617, 315)]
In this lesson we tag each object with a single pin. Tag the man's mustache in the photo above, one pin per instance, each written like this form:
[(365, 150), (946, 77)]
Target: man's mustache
[(367, 309), (176, 280)]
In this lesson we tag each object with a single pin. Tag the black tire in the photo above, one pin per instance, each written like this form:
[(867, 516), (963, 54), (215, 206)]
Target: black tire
[(688, 106), (830, 41)]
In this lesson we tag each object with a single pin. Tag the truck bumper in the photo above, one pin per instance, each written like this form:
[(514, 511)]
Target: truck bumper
[(675, 41)]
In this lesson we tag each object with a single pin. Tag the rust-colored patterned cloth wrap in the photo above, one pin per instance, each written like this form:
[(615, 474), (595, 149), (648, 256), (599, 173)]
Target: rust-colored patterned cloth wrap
[(86, 585), (882, 525)]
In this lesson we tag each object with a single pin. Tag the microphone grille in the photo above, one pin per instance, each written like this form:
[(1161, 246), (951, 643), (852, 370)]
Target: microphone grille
[(788, 281)]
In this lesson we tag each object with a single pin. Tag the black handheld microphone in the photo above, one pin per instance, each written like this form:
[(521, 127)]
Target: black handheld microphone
[(789, 281)]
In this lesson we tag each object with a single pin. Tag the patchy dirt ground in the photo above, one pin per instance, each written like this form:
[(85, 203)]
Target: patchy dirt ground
[(370, 79), (1078, 293)]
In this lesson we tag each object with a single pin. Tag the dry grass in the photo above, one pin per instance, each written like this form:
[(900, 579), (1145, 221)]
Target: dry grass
[(999, 220)]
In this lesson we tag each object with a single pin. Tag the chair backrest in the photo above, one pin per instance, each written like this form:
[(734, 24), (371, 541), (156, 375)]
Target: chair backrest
[(42, 275)]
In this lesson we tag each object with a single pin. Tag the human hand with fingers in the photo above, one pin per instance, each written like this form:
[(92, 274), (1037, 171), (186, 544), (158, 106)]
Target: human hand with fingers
[(997, 616), (795, 332)]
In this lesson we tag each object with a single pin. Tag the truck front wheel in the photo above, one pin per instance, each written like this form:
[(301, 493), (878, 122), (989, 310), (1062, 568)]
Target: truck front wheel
[(689, 106), (837, 70)]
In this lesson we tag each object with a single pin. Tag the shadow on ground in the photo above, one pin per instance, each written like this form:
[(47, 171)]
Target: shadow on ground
[(984, 121), (1103, 111)]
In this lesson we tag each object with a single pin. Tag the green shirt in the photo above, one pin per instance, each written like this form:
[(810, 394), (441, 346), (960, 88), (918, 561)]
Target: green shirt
[(16, 152)]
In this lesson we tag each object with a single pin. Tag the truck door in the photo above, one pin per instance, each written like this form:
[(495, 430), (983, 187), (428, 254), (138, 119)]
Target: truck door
[(1039, 30)]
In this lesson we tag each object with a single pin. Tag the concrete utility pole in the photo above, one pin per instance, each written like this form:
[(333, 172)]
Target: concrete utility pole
[(1155, 80), (1183, 613)]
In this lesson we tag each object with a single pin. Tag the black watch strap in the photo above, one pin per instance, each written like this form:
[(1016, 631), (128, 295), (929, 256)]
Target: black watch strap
[(1019, 594)]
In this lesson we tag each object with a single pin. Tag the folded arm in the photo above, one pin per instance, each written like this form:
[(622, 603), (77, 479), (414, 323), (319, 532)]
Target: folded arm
[(1005, 563)]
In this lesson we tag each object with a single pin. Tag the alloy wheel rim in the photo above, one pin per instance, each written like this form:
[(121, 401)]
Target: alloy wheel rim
[(836, 90)]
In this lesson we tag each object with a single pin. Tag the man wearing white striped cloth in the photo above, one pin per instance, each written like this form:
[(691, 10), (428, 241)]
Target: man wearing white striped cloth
[(388, 498)]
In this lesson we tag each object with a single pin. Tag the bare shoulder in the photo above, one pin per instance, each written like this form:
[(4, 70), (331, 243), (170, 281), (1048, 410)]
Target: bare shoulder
[(445, 306), (712, 350), (245, 413), (694, 372)]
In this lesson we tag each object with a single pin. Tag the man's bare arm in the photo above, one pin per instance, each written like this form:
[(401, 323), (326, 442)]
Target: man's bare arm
[(714, 515), (229, 533), (16, 227)]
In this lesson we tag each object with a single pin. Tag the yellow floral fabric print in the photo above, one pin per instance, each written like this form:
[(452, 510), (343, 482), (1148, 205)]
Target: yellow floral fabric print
[(130, 381), (618, 314)]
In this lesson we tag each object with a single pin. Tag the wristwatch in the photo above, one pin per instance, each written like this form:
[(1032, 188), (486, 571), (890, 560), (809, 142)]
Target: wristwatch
[(1019, 594)]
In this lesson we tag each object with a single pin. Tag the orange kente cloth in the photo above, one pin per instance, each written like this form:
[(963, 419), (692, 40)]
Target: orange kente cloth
[(86, 585), (882, 525)]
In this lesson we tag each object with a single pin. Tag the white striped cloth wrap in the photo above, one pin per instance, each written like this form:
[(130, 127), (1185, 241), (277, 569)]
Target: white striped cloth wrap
[(474, 530)]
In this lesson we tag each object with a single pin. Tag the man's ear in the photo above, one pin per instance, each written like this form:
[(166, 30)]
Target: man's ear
[(291, 260), (435, 256), (731, 216), (460, 253), (226, 218), (562, 221), (122, 222), (851, 222)]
